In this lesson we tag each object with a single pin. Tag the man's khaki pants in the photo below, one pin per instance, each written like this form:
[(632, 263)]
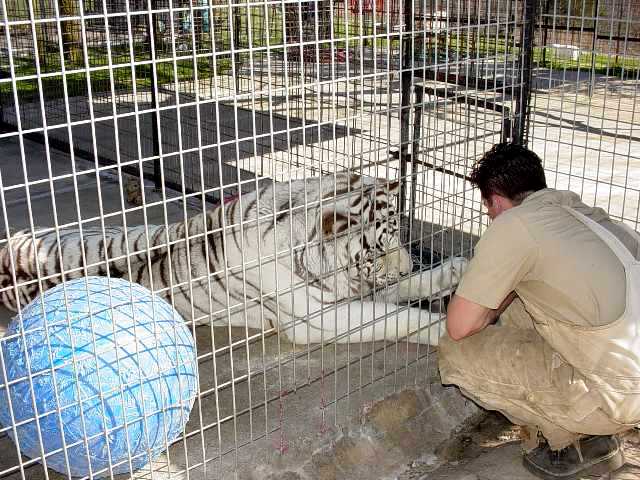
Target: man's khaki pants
[(510, 368)]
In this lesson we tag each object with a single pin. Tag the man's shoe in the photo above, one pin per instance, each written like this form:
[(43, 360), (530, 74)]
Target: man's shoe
[(597, 455)]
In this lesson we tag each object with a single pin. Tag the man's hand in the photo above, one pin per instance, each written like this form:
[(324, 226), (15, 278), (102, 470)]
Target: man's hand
[(464, 317)]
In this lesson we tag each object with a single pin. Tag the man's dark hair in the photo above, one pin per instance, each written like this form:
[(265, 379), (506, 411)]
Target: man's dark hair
[(510, 170)]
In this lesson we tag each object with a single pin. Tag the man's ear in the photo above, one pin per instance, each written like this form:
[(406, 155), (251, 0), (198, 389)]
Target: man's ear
[(500, 203)]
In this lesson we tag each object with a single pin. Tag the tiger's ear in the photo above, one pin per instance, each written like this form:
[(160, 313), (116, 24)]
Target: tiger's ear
[(335, 222), (392, 187)]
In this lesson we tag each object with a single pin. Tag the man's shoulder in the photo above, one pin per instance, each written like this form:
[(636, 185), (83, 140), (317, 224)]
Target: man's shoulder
[(531, 215), (511, 225), (543, 204), (514, 218), (550, 197)]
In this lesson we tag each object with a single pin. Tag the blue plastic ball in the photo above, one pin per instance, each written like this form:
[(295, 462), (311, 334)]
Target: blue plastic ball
[(113, 371)]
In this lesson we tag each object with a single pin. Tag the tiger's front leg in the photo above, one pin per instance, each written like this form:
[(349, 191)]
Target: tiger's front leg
[(441, 280), (367, 321)]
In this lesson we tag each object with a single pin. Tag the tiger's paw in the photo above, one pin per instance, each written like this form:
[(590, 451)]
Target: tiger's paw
[(433, 286), (458, 267), (449, 276)]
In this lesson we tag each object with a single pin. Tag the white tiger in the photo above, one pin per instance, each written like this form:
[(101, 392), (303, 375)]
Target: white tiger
[(318, 259)]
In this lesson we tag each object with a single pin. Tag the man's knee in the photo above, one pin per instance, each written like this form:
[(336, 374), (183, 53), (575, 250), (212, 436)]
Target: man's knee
[(494, 357), (451, 359)]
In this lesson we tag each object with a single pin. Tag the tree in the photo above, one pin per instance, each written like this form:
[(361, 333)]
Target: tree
[(71, 32)]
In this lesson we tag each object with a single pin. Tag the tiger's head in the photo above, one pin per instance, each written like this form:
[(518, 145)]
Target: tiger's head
[(362, 230)]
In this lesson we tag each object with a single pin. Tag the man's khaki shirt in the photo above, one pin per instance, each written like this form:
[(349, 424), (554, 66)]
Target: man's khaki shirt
[(551, 260)]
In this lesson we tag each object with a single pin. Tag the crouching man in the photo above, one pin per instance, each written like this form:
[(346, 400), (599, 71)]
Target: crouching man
[(563, 279)]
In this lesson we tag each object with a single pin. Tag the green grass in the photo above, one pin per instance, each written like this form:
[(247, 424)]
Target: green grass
[(101, 81), (622, 67), (448, 46)]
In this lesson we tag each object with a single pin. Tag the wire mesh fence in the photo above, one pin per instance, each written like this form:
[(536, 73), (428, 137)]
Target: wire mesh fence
[(180, 144), (584, 108)]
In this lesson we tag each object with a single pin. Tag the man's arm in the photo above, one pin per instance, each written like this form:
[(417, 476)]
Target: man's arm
[(502, 258), (464, 317)]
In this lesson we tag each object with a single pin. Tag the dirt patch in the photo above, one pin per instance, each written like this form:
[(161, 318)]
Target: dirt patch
[(472, 442), (490, 450), (492, 432)]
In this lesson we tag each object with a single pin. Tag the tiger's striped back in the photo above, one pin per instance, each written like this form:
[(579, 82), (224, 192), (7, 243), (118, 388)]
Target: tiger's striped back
[(243, 261)]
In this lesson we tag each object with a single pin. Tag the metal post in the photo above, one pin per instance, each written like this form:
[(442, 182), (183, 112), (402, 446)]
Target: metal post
[(237, 25), (152, 32), (406, 79), (526, 66), (545, 32), (592, 72), (415, 148), (618, 33), (45, 37)]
